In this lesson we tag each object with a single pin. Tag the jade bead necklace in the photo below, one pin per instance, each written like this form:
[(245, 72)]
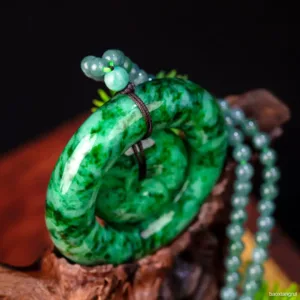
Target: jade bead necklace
[(239, 126), (96, 176)]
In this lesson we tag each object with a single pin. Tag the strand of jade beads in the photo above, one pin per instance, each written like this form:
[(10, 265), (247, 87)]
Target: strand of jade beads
[(115, 69), (240, 198)]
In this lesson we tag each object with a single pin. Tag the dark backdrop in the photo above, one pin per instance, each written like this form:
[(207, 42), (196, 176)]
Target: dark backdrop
[(227, 48)]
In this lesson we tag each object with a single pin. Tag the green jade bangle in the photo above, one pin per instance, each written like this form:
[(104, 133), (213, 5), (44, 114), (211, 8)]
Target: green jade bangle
[(98, 212), (93, 176)]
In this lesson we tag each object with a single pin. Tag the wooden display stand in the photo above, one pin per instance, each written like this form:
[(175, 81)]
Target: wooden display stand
[(189, 268)]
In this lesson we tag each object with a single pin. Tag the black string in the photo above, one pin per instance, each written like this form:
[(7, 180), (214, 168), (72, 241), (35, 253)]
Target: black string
[(137, 148)]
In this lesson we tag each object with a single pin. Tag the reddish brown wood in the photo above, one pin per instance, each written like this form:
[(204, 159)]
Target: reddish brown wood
[(24, 177)]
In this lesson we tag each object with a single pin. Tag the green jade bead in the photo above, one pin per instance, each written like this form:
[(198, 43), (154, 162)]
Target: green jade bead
[(229, 122), (95, 177), (134, 72), (127, 65), (265, 223), (232, 263), (232, 279), (244, 172), (259, 255), (239, 201), (96, 68), (268, 157), (228, 293), (235, 137), (236, 247), (271, 174), (250, 288), (241, 153), (238, 216), (224, 105), (140, 77), (266, 207), (262, 239), (268, 191), (117, 79), (249, 127), (237, 115), (117, 57), (86, 65), (255, 272), (234, 232), (242, 188), (261, 140)]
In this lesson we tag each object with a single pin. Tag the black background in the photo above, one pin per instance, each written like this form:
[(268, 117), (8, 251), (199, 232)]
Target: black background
[(227, 48)]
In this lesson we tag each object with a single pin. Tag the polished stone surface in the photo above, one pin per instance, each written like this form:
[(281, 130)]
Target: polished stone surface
[(93, 176)]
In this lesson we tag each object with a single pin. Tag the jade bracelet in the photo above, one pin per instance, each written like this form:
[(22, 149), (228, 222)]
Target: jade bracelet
[(98, 211), (93, 176)]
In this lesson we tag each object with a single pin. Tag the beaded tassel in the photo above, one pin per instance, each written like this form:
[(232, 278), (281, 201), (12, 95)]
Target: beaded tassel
[(240, 198)]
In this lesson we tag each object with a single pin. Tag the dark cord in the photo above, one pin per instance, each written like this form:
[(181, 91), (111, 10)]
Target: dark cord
[(138, 149)]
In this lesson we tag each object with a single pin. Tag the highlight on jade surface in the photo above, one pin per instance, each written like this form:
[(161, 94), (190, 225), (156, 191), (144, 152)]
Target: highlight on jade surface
[(135, 174)]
